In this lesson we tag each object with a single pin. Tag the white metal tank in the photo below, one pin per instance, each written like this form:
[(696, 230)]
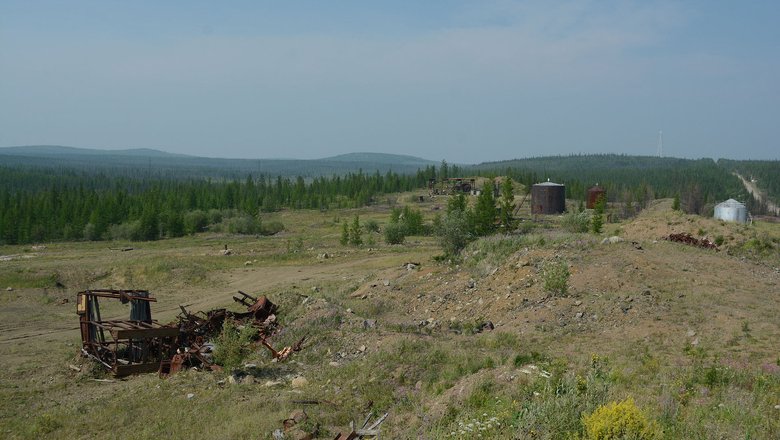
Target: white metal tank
[(731, 211)]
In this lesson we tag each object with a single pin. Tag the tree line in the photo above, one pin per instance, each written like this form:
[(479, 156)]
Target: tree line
[(43, 205)]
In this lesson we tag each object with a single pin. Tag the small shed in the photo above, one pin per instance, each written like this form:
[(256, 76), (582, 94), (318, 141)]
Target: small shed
[(548, 198), (731, 211), (594, 193)]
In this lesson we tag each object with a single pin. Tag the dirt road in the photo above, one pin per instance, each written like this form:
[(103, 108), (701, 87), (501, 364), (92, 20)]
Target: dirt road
[(753, 189)]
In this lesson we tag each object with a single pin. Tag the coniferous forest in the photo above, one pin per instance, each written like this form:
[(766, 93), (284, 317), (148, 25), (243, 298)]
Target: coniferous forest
[(39, 203)]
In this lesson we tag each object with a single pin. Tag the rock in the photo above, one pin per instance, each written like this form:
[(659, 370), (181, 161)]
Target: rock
[(227, 252), (369, 323), (349, 310), (471, 283), (247, 263), (362, 349), (248, 380), (579, 315), (611, 240), (9, 289), (250, 366), (777, 407), (695, 342), (691, 333), (299, 382), (411, 266), (334, 364), (315, 289), (386, 283), (418, 386), (323, 256), (232, 379), (190, 395), (298, 416), (272, 383), (578, 303)]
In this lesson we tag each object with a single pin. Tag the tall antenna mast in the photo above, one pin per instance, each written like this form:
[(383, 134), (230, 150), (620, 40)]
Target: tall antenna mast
[(660, 143)]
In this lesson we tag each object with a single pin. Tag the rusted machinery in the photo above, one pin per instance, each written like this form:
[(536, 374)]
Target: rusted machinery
[(141, 345), (453, 185), (128, 346)]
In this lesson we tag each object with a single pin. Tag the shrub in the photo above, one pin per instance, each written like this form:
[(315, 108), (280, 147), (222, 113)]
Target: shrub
[(454, 233), (125, 231), (619, 420), (556, 277), (395, 233), (576, 221), (195, 221), (233, 345), (372, 226)]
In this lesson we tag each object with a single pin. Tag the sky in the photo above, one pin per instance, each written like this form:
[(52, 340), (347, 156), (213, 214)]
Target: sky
[(465, 81)]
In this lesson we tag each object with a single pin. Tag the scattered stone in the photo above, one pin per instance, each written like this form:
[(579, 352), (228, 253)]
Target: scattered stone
[(248, 380), (190, 395), (579, 315), (349, 310), (9, 289), (299, 382), (471, 283), (369, 323), (625, 308), (611, 240), (411, 266), (334, 364), (777, 407), (232, 379), (386, 283), (323, 256), (247, 263), (315, 289), (695, 342), (273, 383), (227, 252), (578, 303), (362, 349), (691, 333)]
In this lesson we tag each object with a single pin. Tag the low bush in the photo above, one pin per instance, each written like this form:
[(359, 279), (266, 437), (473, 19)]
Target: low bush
[(556, 277), (620, 420)]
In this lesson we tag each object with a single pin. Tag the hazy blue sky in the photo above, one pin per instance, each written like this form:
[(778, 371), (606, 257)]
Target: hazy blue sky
[(468, 81)]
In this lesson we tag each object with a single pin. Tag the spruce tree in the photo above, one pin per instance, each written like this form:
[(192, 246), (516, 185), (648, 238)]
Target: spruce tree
[(485, 211)]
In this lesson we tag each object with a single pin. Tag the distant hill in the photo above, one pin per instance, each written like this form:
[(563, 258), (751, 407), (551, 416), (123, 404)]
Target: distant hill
[(59, 150), (160, 163), (396, 159)]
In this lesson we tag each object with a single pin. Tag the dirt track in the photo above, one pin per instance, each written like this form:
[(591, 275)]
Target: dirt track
[(753, 189)]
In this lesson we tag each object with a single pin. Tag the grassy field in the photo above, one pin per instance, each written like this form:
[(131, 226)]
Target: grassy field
[(691, 335)]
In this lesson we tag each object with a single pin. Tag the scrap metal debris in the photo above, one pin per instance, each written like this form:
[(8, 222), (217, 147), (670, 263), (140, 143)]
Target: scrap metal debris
[(365, 430), (142, 345), (686, 238), (131, 346)]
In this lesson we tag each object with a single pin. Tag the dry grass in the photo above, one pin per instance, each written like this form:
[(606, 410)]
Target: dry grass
[(697, 353)]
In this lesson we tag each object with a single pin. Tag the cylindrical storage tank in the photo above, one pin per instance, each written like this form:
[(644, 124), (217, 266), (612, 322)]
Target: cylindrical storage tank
[(593, 196), (548, 198), (731, 211)]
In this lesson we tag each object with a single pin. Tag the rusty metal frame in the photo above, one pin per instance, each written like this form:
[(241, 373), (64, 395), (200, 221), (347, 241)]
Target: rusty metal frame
[(123, 347)]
